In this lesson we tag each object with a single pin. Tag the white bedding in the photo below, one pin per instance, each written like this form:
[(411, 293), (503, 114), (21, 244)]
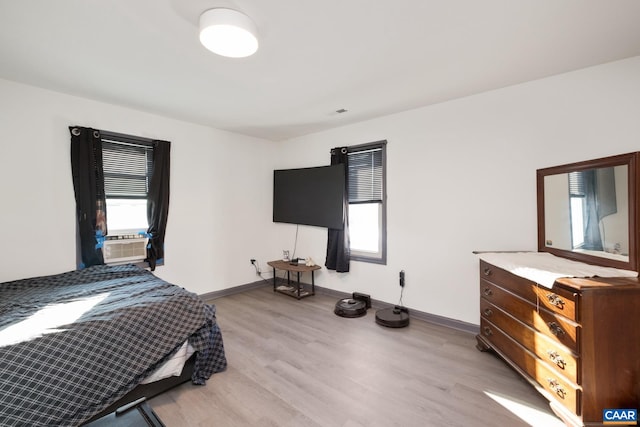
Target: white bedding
[(172, 367), (544, 268)]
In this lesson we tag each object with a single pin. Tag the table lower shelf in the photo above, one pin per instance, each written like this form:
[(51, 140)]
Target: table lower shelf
[(292, 291)]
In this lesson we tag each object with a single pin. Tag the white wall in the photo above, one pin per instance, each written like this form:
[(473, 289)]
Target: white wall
[(218, 212), (461, 177)]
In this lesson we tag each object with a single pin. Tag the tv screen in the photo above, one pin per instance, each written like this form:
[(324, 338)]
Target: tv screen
[(309, 196)]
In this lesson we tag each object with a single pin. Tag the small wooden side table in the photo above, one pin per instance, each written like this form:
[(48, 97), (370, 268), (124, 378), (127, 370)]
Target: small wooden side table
[(294, 292)]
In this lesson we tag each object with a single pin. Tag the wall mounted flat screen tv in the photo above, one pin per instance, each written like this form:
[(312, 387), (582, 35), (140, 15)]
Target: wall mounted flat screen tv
[(309, 196)]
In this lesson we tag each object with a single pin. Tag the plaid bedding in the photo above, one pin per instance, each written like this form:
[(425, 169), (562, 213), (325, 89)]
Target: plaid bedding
[(73, 343)]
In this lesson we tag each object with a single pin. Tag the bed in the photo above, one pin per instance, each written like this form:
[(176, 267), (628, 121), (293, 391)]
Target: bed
[(72, 345)]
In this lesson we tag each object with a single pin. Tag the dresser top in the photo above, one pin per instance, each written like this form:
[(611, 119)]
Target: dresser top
[(544, 268)]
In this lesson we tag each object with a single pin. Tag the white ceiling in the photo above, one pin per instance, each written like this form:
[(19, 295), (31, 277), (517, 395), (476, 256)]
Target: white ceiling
[(370, 57)]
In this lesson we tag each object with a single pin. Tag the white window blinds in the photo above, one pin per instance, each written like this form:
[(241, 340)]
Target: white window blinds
[(365, 176), (127, 169), (576, 184)]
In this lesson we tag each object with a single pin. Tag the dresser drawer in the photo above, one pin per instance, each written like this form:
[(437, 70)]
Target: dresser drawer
[(560, 389), (556, 300), (554, 354), (556, 327)]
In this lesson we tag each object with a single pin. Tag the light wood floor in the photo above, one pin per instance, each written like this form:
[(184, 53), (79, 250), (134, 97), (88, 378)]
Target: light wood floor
[(295, 363)]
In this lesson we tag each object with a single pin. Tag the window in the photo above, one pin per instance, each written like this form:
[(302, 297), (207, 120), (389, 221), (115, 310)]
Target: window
[(127, 165), (593, 198), (126, 216), (121, 186), (367, 202), (577, 206)]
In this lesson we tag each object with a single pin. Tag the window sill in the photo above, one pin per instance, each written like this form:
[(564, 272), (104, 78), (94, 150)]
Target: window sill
[(141, 264), (372, 260)]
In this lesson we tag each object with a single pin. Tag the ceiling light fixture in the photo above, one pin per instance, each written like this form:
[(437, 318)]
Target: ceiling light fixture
[(228, 33)]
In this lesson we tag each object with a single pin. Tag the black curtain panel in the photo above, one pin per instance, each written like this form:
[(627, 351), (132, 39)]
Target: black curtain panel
[(338, 253), (88, 185), (606, 192), (592, 237), (158, 203)]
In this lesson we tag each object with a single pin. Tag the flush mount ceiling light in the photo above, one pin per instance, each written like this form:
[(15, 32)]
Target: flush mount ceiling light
[(228, 33)]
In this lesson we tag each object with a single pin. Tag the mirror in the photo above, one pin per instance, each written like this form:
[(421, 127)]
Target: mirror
[(587, 211)]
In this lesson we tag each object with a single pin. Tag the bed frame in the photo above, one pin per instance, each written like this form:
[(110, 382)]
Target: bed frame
[(150, 390)]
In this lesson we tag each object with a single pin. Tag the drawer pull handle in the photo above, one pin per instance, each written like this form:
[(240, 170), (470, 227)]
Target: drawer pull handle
[(487, 331), (555, 386), (487, 271), (488, 312), (557, 359), (555, 300), (555, 329), (487, 292)]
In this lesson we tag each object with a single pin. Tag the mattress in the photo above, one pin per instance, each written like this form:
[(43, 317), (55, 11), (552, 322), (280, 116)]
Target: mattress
[(173, 366)]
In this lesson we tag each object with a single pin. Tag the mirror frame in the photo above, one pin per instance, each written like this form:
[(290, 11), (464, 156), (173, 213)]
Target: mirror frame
[(628, 159)]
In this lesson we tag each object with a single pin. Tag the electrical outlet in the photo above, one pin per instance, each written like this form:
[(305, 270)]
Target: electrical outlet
[(256, 266), (402, 278)]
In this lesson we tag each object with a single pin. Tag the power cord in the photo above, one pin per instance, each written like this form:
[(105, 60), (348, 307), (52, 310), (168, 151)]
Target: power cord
[(295, 243), (256, 265), (401, 288)]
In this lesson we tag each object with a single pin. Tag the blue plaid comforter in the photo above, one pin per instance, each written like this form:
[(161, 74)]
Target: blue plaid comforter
[(72, 344)]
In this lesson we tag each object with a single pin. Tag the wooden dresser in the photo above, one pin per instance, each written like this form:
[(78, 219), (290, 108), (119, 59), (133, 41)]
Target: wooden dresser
[(577, 343)]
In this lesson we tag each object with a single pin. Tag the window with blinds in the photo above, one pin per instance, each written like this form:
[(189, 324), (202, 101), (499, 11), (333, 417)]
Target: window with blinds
[(365, 176), (576, 184), (577, 196), (367, 208), (127, 165), (127, 169)]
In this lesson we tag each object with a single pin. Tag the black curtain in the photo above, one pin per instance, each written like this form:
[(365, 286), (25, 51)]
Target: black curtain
[(592, 238), (338, 253), (606, 192), (88, 185), (158, 203)]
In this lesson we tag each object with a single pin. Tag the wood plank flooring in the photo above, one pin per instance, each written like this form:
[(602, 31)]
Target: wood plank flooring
[(295, 363)]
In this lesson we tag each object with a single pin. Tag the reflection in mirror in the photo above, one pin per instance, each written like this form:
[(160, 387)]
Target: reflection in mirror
[(587, 211)]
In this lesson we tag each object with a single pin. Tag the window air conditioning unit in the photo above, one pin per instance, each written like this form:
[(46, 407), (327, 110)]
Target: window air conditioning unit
[(124, 249)]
